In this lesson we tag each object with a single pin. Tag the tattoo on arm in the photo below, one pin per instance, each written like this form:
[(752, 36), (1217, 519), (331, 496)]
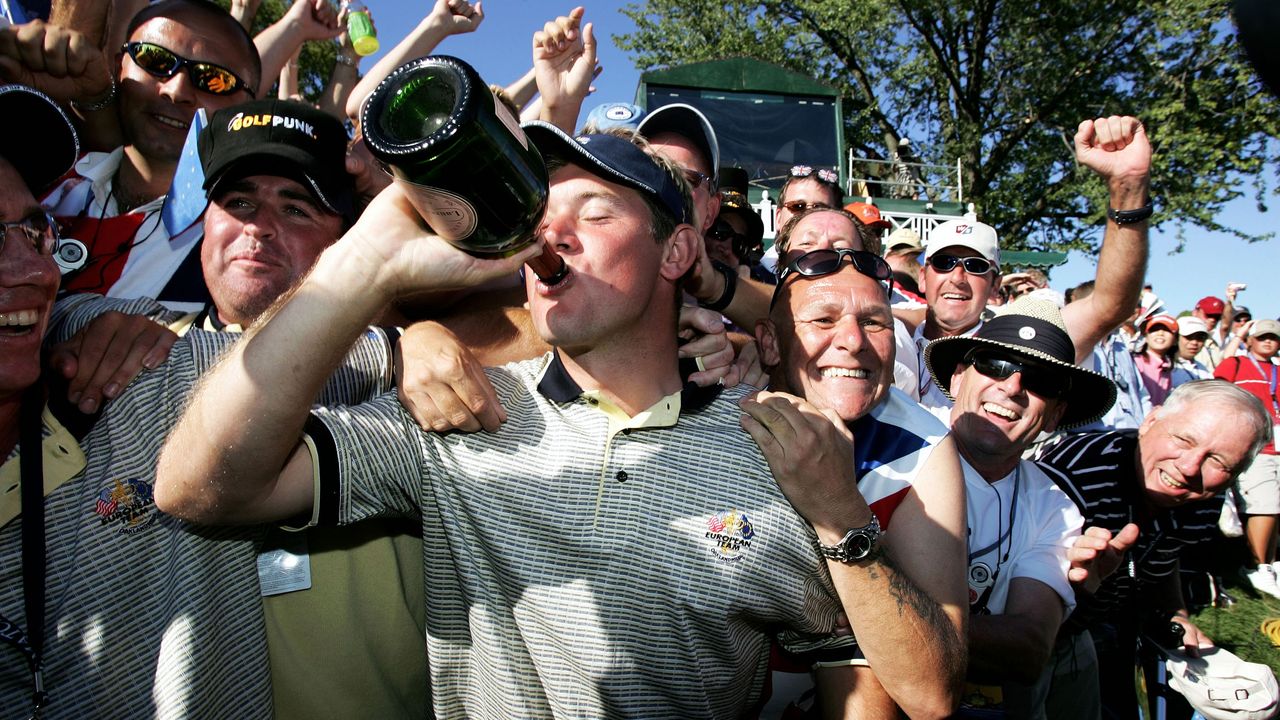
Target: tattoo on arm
[(905, 593)]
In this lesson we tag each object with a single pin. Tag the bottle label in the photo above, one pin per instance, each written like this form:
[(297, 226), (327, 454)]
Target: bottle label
[(505, 116), (450, 215)]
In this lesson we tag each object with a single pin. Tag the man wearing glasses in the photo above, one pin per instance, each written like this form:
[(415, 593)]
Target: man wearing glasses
[(1013, 379), (962, 257), (805, 188), (828, 343)]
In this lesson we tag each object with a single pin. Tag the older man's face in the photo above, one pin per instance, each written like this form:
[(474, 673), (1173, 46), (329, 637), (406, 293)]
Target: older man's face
[(28, 284), (820, 231), (830, 340), (1185, 456)]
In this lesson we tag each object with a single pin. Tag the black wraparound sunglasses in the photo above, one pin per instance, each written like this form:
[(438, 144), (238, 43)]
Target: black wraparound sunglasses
[(825, 262), (165, 63)]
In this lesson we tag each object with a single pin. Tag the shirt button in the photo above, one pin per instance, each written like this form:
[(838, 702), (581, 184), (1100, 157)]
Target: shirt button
[(622, 476), (626, 431)]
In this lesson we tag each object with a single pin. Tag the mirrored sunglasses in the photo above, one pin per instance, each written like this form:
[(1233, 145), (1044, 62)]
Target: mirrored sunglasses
[(162, 62), (40, 229)]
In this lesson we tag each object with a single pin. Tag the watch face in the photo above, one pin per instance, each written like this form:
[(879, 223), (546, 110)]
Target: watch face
[(859, 546)]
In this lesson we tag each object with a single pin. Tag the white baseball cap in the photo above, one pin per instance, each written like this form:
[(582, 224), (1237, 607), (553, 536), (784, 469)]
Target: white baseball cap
[(963, 232), (1190, 325)]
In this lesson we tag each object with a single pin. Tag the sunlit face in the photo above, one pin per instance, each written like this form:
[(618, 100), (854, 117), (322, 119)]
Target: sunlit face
[(1160, 339), (821, 231), (1210, 320), (155, 113), (998, 417), (830, 341), (1190, 345), (807, 190), (1264, 346), (603, 232), (28, 284), (684, 153), (1185, 456), (261, 236), (956, 299)]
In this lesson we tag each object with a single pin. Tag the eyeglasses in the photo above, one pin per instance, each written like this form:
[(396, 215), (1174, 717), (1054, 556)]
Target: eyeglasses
[(973, 265), (41, 231), (723, 233), (1242, 319), (825, 175), (817, 263), (799, 206), (165, 63), (696, 179), (1039, 379)]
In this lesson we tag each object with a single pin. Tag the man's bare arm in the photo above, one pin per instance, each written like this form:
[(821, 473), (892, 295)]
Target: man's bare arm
[(1016, 644), (1117, 149)]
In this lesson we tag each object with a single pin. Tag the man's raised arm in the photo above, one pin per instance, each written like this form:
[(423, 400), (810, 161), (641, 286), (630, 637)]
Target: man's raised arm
[(1117, 149), (235, 456)]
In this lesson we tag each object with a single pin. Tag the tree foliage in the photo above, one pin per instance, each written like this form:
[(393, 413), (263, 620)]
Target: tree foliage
[(1002, 86), (315, 63)]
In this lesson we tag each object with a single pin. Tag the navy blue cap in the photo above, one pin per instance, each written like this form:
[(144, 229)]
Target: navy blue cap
[(613, 158)]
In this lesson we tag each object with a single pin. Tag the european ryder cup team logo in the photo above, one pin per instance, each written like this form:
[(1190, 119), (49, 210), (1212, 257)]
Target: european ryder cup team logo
[(730, 533), (129, 504)]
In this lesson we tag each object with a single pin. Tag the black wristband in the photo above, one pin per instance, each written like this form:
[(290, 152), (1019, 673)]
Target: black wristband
[(1129, 217), (730, 287)]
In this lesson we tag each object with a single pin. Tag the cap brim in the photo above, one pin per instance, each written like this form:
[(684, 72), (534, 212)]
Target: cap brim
[(1092, 395), (47, 146), (686, 121), (284, 161)]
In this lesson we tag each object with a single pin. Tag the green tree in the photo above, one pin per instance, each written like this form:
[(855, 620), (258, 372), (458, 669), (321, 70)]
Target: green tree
[(1002, 85)]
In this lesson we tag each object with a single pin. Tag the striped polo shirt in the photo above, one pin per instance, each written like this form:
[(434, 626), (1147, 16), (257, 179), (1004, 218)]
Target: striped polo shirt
[(1096, 470), (146, 615), (581, 563)]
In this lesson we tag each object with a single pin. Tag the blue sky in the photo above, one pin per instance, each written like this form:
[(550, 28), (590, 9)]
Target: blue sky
[(500, 51)]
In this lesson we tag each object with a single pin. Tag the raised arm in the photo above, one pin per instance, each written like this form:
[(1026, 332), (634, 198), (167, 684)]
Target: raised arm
[(1117, 149), (305, 20), (447, 17), (564, 63), (235, 455), (910, 592)]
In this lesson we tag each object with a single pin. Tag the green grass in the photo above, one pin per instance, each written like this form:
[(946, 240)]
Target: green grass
[(1236, 628)]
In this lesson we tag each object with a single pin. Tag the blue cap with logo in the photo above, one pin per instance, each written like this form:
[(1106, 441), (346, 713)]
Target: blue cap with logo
[(613, 115), (614, 159)]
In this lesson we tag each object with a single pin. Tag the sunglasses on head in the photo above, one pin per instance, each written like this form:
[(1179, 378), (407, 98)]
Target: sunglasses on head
[(817, 263), (1036, 378), (825, 175), (39, 228), (944, 263), (162, 62)]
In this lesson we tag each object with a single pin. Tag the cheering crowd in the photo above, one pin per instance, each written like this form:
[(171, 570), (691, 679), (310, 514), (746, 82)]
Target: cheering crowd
[(273, 449)]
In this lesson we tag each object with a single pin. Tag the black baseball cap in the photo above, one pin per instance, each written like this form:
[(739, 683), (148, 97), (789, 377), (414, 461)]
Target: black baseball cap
[(46, 146), (614, 159), (281, 138)]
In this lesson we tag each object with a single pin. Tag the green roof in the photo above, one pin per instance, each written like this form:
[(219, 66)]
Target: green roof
[(738, 74), (1031, 258)]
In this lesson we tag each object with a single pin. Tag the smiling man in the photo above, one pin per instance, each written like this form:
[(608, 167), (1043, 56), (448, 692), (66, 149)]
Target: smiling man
[(181, 56), (1158, 479), (1013, 379)]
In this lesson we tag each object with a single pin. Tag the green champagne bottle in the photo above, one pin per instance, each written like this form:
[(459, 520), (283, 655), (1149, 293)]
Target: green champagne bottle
[(463, 160)]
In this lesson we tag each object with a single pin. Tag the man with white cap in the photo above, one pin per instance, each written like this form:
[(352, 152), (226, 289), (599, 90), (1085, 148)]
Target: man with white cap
[(962, 257), (1013, 379)]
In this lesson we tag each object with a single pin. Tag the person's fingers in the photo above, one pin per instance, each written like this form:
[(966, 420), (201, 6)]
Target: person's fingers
[(1127, 536)]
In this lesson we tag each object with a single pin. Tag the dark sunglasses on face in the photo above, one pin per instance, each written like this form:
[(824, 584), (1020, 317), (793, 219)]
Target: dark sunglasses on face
[(40, 229), (799, 206), (817, 263), (1242, 319), (165, 63), (724, 234), (973, 265), (825, 175), (1038, 379)]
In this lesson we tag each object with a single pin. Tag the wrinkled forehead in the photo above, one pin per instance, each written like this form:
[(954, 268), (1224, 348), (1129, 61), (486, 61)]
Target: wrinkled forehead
[(846, 291)]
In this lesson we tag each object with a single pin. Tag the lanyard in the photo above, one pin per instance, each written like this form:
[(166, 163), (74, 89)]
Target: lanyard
[(1001, 537), (1272, 380), (31, 470)]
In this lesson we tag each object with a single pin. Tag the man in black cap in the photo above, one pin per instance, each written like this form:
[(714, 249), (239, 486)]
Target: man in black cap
[(1013, 379), (343, 607)]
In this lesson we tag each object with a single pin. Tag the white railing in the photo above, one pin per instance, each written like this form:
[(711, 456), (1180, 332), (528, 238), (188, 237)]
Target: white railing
[(921, 222), (905, 180)]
